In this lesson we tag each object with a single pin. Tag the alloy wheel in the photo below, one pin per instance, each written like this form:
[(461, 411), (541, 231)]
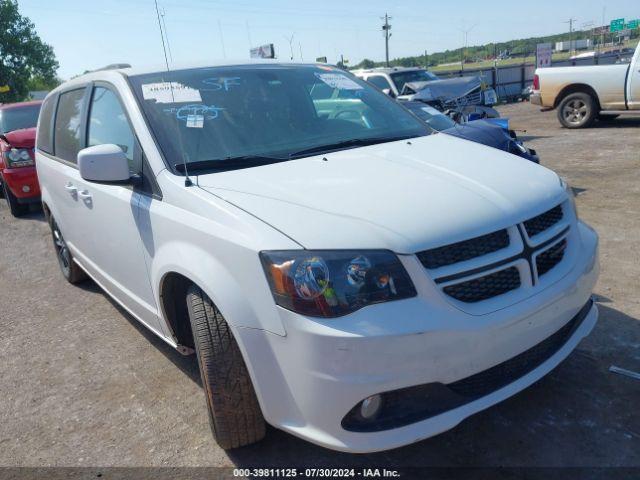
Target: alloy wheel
[(575, 111), (62, 251)]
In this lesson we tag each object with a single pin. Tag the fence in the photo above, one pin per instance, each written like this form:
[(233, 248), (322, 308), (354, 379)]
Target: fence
[(510, 81)]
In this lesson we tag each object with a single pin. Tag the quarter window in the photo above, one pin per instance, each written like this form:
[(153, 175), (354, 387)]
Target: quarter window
[(44, 127), (109, 124), (68, 134)]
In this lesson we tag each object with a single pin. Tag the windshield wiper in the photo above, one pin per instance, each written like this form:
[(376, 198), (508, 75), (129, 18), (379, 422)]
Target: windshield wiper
[(248, 161), (230, 163), (352, 143)]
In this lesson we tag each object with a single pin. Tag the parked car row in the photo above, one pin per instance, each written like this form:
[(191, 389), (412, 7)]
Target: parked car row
[(491, 132), (18, 179), (339, 271), (414, 83)]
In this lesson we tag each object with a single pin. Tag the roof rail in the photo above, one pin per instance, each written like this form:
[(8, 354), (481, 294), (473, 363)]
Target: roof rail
[(113, 66)]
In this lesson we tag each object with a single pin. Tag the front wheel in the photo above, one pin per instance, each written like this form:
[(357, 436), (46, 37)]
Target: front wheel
[(16, 209), (577, 110), (234, 413)]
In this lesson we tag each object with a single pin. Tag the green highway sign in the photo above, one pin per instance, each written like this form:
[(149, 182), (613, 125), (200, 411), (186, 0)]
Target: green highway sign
[(633, 24), (616, 25)]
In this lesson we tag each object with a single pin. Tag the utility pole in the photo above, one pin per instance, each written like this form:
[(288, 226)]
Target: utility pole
[(463, 51), (604, 13), (386, 28), (570, 22), (591, 26)]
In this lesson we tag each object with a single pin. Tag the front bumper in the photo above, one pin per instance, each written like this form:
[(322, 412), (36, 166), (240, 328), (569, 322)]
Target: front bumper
[(309, 380), (20, 179)]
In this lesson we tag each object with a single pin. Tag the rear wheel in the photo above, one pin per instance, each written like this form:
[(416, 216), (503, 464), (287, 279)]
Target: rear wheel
[(577, 110), (16, 209), (70, 269), (234, 413)]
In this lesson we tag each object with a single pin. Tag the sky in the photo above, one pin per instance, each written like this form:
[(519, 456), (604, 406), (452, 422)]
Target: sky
[(90, 34)]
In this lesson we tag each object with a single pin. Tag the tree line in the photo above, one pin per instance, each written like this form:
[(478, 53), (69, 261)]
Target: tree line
[(523, 48), (26, 62)]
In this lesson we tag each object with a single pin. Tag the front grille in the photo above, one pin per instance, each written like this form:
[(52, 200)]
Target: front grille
[(413, 404), (474, 98), (465, 250), (485, 382), (551, 257), (542, 222), (485, 287)]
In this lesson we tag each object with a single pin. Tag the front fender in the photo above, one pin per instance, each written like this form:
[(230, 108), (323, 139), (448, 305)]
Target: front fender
[(248, 304)]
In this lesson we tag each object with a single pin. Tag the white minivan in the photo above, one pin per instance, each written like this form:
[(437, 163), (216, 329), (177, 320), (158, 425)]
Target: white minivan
[(339, 273)]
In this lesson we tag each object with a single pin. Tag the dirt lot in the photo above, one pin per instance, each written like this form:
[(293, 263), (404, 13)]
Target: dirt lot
[(81, 384)]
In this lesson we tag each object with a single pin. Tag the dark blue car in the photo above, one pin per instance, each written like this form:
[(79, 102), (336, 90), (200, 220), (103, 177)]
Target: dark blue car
[(493, 132)]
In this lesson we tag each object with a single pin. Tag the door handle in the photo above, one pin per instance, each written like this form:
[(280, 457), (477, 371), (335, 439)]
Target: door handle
[(84, 194), (69, 187)]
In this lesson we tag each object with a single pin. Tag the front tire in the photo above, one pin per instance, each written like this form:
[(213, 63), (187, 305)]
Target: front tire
[(234, 413), (69, 268), (577, 110), (16, 209)]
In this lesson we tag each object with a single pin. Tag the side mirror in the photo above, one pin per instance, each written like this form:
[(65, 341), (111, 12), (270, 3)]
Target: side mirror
[(103, 163)]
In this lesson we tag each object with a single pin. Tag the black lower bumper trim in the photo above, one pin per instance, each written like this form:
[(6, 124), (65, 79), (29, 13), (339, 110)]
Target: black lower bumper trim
[(29, 200), (413, 404)]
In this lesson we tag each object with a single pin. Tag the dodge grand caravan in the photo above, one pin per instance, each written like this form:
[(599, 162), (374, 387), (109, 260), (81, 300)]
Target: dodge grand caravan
[(339, 273)]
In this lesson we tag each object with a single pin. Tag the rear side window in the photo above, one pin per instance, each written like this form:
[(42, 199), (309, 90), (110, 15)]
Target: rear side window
[(68, 131), (108, 124), (379, 81), (45, 142)]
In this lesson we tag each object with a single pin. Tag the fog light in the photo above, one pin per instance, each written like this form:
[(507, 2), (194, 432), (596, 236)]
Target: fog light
[(371, 406), (26, 189)]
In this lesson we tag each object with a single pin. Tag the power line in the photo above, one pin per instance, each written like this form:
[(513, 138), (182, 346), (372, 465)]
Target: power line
[(290, 40)]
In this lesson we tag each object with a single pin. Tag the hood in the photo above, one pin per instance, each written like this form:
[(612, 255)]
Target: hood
[(402, 196), (24, 138), (481, 131), (446, 89)]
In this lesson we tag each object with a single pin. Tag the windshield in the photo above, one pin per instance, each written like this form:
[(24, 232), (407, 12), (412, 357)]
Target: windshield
[(222, 113), (16, 118), (431, 116), (400, 78)]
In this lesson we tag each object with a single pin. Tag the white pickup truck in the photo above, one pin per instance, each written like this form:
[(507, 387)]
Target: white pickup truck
[(584, 94)]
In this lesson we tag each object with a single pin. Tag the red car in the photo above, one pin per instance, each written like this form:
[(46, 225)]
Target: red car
[(18, 179)]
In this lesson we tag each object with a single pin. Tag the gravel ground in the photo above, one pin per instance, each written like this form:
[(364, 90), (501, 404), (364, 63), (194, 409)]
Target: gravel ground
[(82, 384)]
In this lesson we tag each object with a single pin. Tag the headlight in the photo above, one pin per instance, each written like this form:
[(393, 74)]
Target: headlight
[(18, 157), (517, 147), (570, 194), (332, 283)]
